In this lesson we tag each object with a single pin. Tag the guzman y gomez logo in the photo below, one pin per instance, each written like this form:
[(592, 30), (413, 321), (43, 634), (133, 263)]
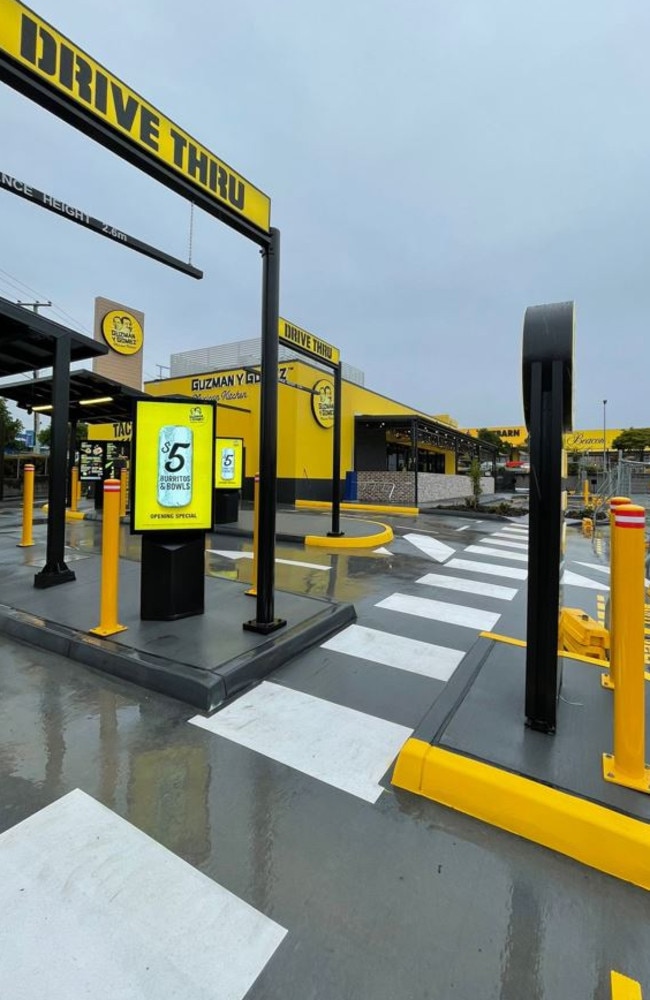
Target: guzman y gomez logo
[(122, 332)]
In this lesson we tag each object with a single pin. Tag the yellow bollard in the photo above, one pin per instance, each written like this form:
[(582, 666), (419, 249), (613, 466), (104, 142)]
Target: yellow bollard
[(124, 491), (608, 680), (587, 526), (585, 492), (256, 518), (108, 624), (27, 538), (626, 766), (74, 488)]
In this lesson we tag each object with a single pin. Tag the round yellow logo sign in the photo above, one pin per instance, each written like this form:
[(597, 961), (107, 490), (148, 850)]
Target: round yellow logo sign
[(322, 402), (122, 332)]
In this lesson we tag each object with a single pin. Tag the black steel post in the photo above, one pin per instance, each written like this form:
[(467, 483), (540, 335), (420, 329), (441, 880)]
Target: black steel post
[(336, 458), (265, 621), (72, 447), (55, 570), (414, 458)]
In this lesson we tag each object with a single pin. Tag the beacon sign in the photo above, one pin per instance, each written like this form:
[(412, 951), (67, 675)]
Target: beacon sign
[(50, 58)]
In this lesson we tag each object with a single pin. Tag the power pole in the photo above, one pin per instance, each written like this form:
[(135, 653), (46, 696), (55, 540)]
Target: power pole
[(162, 368), (35, 306)]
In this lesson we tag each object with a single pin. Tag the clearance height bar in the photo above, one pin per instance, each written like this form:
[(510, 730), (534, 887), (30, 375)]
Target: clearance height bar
[(300, 340), (39, 61), (23, 190)]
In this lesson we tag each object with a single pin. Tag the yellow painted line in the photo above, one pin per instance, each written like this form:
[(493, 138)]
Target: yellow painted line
[(503, 638), (561, 652), (353, 541), (591, 834), (376, 508), (624, 988)]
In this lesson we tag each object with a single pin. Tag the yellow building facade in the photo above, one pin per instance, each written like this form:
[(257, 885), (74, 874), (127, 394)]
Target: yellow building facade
[(577, 441), (305, 426)]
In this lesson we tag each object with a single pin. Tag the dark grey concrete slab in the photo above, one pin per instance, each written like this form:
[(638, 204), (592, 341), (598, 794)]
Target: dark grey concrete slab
[(484, 718), (398, 696), (201, 660)]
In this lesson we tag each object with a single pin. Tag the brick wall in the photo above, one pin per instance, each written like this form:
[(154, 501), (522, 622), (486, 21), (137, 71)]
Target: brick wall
[(386, 487), (434, 486), (399, 487)]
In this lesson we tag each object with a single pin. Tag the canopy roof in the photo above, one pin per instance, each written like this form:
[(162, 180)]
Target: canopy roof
[(28, 341), (94, 398)]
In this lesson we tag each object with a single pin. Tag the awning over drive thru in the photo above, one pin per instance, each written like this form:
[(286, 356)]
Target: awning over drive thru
[(94, 399), (29, 342)]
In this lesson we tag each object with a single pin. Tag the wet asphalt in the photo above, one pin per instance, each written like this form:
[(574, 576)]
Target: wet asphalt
[(400, 899)]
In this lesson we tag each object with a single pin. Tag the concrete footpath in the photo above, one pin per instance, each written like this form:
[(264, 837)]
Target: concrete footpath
[(202, 660)]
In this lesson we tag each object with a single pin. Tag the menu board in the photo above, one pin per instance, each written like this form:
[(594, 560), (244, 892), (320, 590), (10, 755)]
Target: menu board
[(92, 456), (117, 458)]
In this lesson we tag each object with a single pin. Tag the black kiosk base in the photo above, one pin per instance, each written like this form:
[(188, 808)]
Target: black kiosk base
[(226, 506), (172, 581)]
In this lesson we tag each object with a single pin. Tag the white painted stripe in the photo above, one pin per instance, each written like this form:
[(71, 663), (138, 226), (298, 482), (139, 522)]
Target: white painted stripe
[(480, 550), (437, 662), (340, 746), (382, 551), (575, 580), (233, 554), (464, 528), (603, 569), (505, 542), (430, 546), (489, 569), (468, 586), (440, 611), (91, 906), (598, 566), (515, 532), (304, 565)]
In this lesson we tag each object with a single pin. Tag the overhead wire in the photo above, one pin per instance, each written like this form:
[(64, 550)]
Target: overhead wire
[(16, 285)]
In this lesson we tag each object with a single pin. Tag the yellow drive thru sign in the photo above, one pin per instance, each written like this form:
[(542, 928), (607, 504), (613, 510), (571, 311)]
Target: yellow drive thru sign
[(58, 63)]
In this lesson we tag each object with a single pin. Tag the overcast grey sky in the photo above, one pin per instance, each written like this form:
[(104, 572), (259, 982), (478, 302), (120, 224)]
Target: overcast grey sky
[(434, 168)]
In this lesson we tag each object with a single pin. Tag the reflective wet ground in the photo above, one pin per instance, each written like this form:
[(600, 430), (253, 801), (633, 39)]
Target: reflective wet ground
[(382, 897)]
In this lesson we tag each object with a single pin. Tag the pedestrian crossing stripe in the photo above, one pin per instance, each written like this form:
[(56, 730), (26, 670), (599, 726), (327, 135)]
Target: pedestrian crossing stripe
[(441, 611), (94, 907), (488, 569), (576, 580), (339, 746), (430, 546), (412, 655), (507, 542), (497, 553), (465, 586)]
